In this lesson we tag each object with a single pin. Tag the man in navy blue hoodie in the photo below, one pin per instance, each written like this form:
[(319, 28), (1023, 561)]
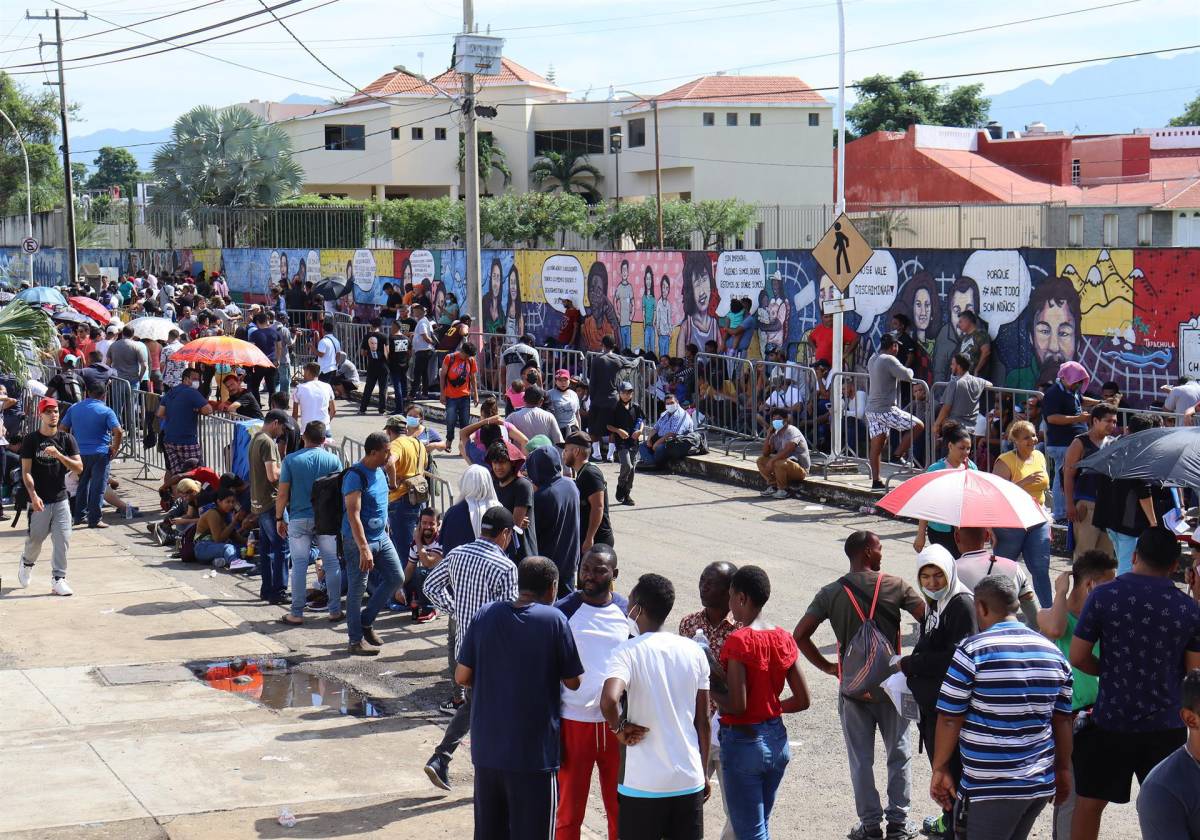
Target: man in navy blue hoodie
[(555, 514)]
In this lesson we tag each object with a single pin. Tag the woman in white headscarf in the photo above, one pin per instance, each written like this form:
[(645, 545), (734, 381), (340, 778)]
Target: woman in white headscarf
[(949, 618), (476, 493)]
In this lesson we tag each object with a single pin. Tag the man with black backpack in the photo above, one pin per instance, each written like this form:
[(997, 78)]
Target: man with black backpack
[(863, 607), (66, 386)]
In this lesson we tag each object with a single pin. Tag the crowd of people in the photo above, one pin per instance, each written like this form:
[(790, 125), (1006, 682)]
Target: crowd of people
[(1025, 694)]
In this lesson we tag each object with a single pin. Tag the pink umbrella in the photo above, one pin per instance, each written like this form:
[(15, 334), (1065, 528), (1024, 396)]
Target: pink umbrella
[(964, 497)]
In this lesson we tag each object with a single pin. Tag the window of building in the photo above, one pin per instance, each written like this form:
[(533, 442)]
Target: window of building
[(1145, 223), (637, 133), (347, 138), (814, 120), (755, 119), (395, 134), (580, 141), (439, 134), (1075, 230), (708, 118), (731, 119), (1110, 230), (1075, 170), (418, 132)]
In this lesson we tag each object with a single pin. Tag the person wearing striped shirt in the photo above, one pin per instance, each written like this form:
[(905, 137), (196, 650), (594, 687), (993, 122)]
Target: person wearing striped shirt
[(1006, 703)]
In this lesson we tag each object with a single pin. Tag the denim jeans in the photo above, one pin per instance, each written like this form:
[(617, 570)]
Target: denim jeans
[(1032, 545), (220, 554), (1123, 546), (301, 538), (273, 557), (92, 482), (1057, 454), (627, 335), (387, 567), (402, 522), (658, 456), (752, 767), (458, 416), (398, 377)]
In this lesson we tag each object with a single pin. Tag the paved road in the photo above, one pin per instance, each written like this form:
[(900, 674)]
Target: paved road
[(678, 526)]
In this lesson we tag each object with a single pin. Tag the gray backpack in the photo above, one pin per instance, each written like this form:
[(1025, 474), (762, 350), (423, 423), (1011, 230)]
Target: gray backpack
[(866, 659)]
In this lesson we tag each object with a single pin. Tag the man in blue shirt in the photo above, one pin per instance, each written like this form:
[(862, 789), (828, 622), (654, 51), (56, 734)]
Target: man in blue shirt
[(516, 656), (1169, 800), (366, 544), (671, 424), (265, 338), (299, 471), (98, 434), (1149, 635), (178, 417)]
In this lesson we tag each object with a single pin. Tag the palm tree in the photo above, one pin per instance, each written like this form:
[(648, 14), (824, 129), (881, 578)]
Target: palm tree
[(567, 171), (22, 328), (491, 157), (881, 228)]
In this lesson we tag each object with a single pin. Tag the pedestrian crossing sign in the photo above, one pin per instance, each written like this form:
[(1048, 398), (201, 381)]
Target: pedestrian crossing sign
[(842, 252)]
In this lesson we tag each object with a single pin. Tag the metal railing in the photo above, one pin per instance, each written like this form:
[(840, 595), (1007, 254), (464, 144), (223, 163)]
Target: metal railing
[(441, 494), (725, 391)]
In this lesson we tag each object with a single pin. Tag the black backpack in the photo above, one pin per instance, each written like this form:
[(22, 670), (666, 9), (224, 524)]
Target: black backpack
[(328, 502)]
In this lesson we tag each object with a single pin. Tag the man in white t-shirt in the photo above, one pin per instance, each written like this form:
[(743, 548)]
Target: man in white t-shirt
[(667, 730), (1182, 399), (110, 335), (313, 399), (977, 562), (327, 349), (422, 344)]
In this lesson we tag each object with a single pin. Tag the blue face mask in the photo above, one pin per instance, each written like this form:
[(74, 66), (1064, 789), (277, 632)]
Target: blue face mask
[(412, 422), (777, 424)]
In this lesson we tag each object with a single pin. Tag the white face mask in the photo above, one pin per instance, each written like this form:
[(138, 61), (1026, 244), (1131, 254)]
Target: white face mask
[(634, 630), (936, 594), (673, 408)]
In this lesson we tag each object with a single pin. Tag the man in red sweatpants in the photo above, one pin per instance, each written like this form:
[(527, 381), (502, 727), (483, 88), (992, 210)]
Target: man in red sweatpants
[(597, 619)]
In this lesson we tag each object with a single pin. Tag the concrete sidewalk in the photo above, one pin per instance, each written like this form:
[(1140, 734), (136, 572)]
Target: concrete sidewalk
[(96, 744)]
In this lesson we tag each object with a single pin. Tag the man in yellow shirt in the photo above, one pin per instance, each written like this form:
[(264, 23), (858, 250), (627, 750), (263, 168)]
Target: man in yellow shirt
[(409, 487)]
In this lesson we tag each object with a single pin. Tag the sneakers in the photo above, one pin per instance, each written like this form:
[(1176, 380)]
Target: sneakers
[(861, 832), (769, 490), (900, 831), (935, 827), (59, 587), (449, 707), (240, 564), (372, 637), (438, 771), (781, 494), (427, 616), (878, 485), (24, 575), (361, 648), (628, 500)]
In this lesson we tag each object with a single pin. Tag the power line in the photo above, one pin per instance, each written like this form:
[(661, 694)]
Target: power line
[(118, 28)]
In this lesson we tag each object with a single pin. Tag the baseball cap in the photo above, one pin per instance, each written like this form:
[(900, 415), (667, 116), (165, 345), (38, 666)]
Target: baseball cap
[(495, 519), (396, 421), (537, 442), (46, 403), (579, 439), (69, 359), (625, 386), (562, 372)]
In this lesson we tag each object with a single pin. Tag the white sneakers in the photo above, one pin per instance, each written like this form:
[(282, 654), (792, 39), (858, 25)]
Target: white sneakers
[(24, 573), (59, 587)]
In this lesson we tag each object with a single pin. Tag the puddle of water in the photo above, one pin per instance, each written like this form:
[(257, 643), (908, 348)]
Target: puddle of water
[(272, 682)]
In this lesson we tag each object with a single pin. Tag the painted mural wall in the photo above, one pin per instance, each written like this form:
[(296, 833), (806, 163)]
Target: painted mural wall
[(1129, 315)]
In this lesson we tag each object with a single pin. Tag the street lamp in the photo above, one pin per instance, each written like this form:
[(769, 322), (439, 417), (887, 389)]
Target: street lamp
[(28, 189), (614, 145), (657, 163)]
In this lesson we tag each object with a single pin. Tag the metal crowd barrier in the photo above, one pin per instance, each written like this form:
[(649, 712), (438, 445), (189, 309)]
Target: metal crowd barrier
[(490, 361), (856, 435), (551, 359), (216, 433), (351, 336), (802, 386), (441, 494), (724, 390)]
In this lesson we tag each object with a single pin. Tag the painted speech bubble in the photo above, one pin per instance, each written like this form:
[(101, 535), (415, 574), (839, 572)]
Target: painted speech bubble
[(1003, 281), (312, 266), (740, 274), (874, 289), (421, 263), (562, 277), (364, 270)]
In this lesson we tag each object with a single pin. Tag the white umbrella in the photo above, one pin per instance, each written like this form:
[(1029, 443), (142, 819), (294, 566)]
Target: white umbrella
[(156, 329), (964, 497)]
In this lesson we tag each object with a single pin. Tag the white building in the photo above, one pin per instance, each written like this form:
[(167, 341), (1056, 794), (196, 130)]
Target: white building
[(763, 139)]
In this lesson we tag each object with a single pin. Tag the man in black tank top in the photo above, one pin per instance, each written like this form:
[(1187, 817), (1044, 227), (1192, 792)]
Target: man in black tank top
[(1080, 487)]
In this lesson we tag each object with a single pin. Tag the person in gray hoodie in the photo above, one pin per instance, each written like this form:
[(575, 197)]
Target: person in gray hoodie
[(555, 514)]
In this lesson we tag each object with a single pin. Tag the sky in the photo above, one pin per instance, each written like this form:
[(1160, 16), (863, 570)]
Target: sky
[(592, 47)]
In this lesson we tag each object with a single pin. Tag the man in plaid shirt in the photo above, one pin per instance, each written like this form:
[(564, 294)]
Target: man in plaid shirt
[(478, 573)]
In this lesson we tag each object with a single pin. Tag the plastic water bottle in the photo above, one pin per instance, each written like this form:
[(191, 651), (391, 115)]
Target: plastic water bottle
[(701, 639), (286, 818)]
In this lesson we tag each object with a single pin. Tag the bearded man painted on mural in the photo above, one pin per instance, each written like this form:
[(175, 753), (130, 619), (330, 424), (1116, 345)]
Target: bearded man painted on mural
[(1054, 320)]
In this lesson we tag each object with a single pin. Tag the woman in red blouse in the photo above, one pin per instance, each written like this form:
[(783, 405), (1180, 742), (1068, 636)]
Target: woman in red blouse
[(756, 660)]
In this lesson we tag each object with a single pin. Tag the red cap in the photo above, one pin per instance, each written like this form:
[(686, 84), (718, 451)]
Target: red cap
[(45, 403), (562, 373)]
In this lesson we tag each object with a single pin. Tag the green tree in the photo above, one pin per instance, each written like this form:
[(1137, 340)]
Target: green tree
[(1190, 115), (36, 118), (115, 167), (491, 157), (79, 177), (638, 220), (569, 172), (881, 229), (529, 218), (887, 103), (417, 223), (225, 158), (21, 326), (721, 219)]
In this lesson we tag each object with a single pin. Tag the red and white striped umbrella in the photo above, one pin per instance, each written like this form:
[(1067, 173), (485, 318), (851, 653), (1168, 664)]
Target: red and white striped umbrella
[(964, 497)]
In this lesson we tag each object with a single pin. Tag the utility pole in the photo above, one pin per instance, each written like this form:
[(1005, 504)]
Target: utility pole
[(838, 210), (471, 175), (658, 176), (68, 187)]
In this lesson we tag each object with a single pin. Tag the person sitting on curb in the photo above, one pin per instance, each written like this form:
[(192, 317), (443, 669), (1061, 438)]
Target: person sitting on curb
[(784, 457), (672, 424)]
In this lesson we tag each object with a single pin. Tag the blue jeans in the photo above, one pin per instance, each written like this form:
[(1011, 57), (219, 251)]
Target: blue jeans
[(387, 567), (658, 456), (221, 553), (92, 482), (402, 521), (627, 335), (1057, 454), (273, 557), (1123, 545), (1033, 545), (458, 416), (664, 345), (398, 377), (752, 767), (301, 538)]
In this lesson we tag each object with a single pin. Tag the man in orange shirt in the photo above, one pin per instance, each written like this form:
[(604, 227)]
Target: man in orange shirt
[(460, 386)]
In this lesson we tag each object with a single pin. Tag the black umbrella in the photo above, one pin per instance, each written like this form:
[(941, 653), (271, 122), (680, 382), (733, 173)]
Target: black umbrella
[(1171, 456), (331, 288)]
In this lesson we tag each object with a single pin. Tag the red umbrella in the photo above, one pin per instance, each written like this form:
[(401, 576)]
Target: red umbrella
[(222, 350), (91, 308), (964, 497)]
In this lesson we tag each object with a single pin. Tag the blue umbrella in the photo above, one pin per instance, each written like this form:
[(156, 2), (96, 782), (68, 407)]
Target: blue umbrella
[(42, 294)]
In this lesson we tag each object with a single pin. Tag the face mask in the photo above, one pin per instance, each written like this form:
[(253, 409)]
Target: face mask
[(673, 408), (412, 422), (936, 594), (195, 385), (634, 630), (777, 424)]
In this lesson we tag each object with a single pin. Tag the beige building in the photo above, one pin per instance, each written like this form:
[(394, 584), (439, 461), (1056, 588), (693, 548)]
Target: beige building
[(763, 139)]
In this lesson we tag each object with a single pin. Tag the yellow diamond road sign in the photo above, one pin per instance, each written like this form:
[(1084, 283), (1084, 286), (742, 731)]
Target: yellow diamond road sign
[(842, 252)]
